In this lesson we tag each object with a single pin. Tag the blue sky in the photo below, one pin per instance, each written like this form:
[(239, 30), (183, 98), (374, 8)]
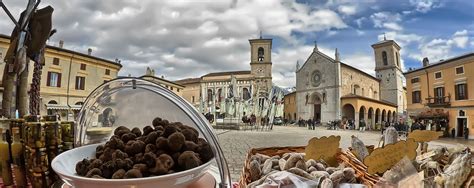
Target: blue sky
[(190, 38)]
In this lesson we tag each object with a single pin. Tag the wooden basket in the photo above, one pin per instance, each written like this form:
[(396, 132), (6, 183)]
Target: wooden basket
[(343, 157)]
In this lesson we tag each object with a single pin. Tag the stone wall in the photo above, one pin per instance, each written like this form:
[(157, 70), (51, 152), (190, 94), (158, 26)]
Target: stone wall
[(364, 85)]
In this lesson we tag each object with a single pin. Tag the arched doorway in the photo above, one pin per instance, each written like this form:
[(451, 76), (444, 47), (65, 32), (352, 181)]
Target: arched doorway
[(389, 116), (370, 118), (384, 116), (362, 113), (316, 101), (377, 116), (348, 112)]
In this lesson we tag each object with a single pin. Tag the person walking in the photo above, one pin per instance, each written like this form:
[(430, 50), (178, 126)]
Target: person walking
[(362, 125)]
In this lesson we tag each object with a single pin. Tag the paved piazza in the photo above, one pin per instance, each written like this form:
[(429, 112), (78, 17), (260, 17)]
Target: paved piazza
[(236, 144)]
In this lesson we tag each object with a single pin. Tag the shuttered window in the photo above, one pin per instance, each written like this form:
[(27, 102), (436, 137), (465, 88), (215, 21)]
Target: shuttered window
[(54, 79)]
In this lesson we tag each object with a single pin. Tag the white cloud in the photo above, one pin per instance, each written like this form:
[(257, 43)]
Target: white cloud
[(359, 21), (348, 9), (460, 38), (401, 38), (360, 32), (392, 26), (425, 5), (386, 20), (361, 61), (174, 37), (441, 48)]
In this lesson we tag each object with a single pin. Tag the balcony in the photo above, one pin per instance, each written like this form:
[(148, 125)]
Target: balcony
[(439, 101)]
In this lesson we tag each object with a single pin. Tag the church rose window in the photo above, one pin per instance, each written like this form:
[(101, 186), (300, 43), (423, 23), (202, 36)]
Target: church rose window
[(316, 78)]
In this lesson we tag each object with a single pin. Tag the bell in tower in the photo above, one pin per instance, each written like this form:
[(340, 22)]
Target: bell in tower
[(260, 54)]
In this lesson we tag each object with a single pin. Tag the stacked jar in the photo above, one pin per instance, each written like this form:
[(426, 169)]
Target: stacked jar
[(36, 152), (52, 128), (67, 130)]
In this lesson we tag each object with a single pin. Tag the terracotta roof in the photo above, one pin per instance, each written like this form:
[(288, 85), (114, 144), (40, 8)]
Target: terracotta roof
[(369, 99), (162, 79), (226, 73), (72, 52), (442, 62), (188, 81)]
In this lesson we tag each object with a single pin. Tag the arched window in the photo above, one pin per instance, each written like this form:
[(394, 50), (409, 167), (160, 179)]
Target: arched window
[(384, 58), (260, 54), (398, 59), (219, 95), (52, 102), (79, 103), (356, 89), (246, 94), (209, 95)]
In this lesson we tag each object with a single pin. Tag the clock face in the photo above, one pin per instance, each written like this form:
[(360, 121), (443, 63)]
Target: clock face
[(316, 78), (260, 70)]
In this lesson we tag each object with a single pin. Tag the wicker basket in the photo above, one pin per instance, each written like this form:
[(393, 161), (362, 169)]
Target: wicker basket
[(343, 157)]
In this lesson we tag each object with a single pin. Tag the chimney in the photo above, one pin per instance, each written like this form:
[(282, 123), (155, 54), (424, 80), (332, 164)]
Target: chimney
[(163, 76), (426, 62), (61, 43), (89, 51)]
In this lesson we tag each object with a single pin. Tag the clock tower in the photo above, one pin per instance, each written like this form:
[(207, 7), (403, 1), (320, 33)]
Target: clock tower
[(261, 64)]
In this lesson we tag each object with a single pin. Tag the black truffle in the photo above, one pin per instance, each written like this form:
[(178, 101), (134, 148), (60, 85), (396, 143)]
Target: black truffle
[(82, 167), (188, 160), (133, 173), (176, 141), (147, 130), (136, 131), (94, 171), (119, 174)]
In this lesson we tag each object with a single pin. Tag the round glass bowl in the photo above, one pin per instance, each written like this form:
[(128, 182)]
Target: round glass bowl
[(134, 102)]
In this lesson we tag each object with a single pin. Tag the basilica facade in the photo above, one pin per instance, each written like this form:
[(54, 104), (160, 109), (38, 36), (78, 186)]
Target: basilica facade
[(328, 89)]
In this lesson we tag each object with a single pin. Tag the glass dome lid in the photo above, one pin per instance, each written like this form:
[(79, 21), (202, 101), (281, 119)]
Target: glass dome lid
[(134, 102)]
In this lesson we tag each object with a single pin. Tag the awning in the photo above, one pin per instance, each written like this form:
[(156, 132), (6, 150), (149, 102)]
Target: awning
[(62, 107)]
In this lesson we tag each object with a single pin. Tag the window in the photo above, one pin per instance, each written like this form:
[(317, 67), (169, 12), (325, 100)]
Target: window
[(415, 80), (461, 91), (83, 66), (459, 70), (54, 79), (384, 58), (439, 94), (398, 59), (55, 61), (416, 97), (177, 90), (193, 99), (107, 72), (1, 56), (80, 82), (438, 75), (260, 54), (171, 88)]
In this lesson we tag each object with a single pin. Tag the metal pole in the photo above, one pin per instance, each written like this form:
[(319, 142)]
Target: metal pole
[(9, 14), (68, 82)]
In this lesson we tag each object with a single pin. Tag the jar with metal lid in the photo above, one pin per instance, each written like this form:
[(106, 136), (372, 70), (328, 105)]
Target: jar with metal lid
[(36, 159), (52, 128), (35, 134), (67, 130), (5, 170)]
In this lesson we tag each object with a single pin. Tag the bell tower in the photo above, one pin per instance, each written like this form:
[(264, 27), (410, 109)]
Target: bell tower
[(388, 70), (261, 63)]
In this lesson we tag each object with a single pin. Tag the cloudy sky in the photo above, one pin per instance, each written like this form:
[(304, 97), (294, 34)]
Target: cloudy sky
[(189, 38)]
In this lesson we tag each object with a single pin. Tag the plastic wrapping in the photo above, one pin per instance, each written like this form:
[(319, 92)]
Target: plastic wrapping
[(284, 179), (402, 174)]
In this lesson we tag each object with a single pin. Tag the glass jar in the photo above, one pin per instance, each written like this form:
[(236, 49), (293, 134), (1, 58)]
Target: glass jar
[(35, 133), (52, 129), (40, 180), (5, 169), (18, 158), (67, 130), (37, 159)]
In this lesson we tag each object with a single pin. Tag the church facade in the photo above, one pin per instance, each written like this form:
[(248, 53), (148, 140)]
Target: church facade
[(328, 89)]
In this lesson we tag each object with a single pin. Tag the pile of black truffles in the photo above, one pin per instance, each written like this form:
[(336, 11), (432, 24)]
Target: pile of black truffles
[(164, 148)]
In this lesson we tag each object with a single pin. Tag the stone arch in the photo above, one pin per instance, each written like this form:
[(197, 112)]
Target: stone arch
[(384, 115), (362, 111), (389, 116), (370, 117), (52, 102), (394, 116), (377, 115), (348, 112), (316, 101)]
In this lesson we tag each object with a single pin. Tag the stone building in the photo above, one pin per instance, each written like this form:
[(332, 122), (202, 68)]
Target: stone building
[(290, 106), (444, 89), (251, 87), (68, 77), (328, 89)]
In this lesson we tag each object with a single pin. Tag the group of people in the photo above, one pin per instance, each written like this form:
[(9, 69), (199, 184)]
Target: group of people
[(310, 123)]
